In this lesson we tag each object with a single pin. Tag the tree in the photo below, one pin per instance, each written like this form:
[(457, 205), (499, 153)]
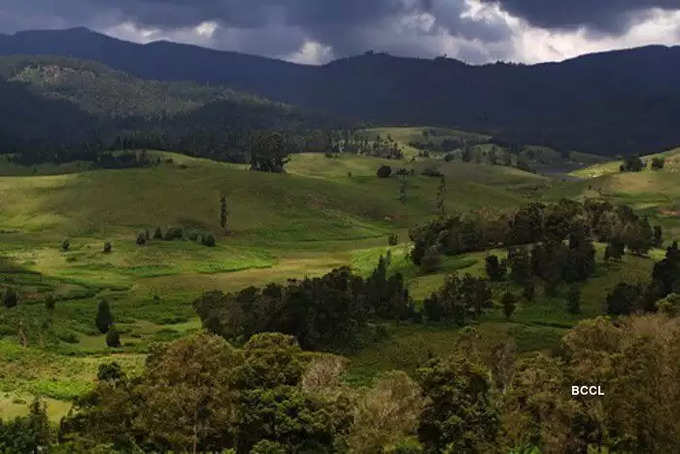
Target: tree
[(189, 396), (494, 268), (141, 239), (104, 319), (658, 236), (529, 290), (441, 196), (268, 153), (223, 213), (574, 300), (624, 299), (158, 234), (509, 302), (65, 245), (107, 248), (10, 299), (393, 239), (614, 251), (632, 164), (431, 260), (384, 171), (208, 240), (658, 163), (386, 414), (113, 337), (459, 415)]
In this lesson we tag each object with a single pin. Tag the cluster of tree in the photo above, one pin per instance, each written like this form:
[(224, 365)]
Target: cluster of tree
[(200, 394), (659, 294), (178, 233), (535, 223), (330, 313), (632, 164), (458, 300), (444, 146)]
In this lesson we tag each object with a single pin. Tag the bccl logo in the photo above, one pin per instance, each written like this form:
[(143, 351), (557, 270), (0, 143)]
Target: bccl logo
[(587, 390)]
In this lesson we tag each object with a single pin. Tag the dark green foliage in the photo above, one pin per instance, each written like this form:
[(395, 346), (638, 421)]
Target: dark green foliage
[(27, 434), (141, 239), (495, 269), (614, 251), (325, 313), (113, 337), (431, 261), (658, 236), (529, 290), (393, 239), (658, 163), (666, 273), (458, 300), (639, 236), (104, 319), (574, 300), (384, 171), (110, 372), (49, 302), (459, 415), (624, 299), (65, 245), (269, 152), (519, 262), (208, 240), (509, 303), (632, 164), (10, 299), (107, 248), (158, 234), (173, 233), (223, 213)]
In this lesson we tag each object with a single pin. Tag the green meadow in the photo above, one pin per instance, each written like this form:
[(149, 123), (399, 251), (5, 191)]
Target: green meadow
[(324, 212)]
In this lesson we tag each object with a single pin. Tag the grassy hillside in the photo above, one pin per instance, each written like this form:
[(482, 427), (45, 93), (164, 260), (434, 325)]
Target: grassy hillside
[(303, 223)]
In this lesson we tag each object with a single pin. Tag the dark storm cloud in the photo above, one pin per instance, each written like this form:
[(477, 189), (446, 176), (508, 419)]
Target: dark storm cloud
[(608, 16)]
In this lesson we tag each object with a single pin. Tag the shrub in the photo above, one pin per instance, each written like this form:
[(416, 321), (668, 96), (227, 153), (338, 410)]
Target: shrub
[(384, 171), (509, 304), (141, 239), (658, 163), (158, 234), (107, 247), (393, 239), (65, 245), (495, 269), (208, 240), (49, 302), (574, 300), (173, 233), (113, 338), (10, 298)]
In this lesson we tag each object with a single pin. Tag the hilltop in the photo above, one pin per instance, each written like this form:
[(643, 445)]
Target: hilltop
[(601, 103)]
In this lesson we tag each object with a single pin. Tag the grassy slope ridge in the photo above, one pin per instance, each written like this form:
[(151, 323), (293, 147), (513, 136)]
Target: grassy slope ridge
[(298, 224)]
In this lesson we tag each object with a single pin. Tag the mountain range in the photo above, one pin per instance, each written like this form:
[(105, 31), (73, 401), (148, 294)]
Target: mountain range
[(619, 102)]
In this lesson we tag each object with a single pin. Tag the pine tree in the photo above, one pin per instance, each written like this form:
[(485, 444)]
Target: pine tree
[(224, 213), (104, 318), (441, 195)]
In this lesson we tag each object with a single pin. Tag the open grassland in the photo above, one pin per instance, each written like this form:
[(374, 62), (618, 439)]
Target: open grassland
[(323, 213)]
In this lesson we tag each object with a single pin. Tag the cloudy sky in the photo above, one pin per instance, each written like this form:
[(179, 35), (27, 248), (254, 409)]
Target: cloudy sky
[(317, 31)]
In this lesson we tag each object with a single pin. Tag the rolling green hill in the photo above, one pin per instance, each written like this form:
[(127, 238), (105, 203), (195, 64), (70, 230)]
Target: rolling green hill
[(325, 212)]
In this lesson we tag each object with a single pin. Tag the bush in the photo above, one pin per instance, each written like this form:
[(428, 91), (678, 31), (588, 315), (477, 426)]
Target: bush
[(113, 338), (10, 298), (393, 239), (495, 269), (107, 247), (141, 239), (158, 234), (104, 319), (384, 171), (49, 302), (432, 172), (65, 245), (509, 302), (173, 233), (658, 163), (208, 240)]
